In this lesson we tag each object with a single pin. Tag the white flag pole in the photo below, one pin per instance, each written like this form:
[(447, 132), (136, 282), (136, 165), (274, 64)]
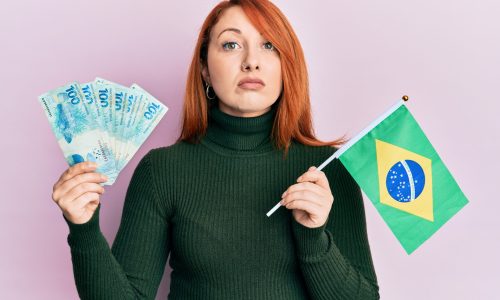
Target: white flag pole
[(352, 141)]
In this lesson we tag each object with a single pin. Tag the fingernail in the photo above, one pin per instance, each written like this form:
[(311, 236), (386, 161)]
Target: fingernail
[(104, 177), (283, 195), (299, 179)]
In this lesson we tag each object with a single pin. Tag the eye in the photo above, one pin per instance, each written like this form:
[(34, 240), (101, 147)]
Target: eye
[(269, 46), (229, 45)]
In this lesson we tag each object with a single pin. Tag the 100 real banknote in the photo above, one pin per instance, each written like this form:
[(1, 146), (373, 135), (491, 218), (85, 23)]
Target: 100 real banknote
[(101, 121)]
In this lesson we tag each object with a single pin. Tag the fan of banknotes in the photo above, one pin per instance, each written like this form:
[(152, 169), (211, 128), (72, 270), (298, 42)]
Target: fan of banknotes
[(101, 121)]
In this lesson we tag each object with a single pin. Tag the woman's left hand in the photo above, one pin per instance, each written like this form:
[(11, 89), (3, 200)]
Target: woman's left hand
[(310, 199)]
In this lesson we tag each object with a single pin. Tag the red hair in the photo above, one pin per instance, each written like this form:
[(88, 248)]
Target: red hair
[(293, 115)]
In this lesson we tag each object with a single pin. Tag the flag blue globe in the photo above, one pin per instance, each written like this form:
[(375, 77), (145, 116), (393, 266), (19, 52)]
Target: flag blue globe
[(405, 181)]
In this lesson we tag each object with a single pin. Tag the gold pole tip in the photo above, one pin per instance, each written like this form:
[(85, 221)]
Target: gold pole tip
[(405, 98)]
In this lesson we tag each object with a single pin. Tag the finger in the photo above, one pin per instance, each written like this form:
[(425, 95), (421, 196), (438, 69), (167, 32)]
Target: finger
[(85, 199), (304, 195), (306, 186), (308, 206), (80, 202), (318, 177), (79, 190), (74, 170), (78, 179)]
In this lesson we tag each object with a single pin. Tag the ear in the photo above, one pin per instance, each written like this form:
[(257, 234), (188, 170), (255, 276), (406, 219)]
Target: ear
[(205, 74)]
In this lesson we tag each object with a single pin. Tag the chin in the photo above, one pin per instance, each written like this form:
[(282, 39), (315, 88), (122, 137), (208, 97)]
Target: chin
[(247, 106)]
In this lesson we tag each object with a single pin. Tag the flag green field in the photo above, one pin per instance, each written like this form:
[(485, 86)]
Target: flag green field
[(403, 176)]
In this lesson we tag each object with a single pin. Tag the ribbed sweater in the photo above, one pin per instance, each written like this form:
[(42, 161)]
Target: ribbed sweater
[(205, 205)]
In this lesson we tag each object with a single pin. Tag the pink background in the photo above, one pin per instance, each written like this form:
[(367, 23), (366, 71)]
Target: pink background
[(362, 57)]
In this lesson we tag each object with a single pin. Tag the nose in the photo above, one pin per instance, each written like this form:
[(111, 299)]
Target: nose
[(250, 61)]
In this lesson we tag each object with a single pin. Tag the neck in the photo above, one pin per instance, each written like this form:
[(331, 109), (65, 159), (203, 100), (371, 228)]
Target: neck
[(228, 110), (239, 135)]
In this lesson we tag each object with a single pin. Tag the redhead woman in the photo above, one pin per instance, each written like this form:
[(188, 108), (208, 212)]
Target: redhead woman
[(246, 142)]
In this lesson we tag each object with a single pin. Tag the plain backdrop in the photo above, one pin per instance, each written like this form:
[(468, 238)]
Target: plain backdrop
[(362, 56)]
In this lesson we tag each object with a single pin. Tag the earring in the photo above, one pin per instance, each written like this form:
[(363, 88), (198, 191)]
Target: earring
[(206, 92)]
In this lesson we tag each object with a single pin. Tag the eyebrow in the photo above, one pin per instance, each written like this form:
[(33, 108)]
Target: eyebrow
[(229, 29)]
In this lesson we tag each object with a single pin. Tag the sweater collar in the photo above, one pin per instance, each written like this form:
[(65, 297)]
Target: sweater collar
[(239, 135)]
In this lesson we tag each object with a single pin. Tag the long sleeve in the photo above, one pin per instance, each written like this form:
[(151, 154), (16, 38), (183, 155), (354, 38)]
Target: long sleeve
[(134, 266), (335, 258)]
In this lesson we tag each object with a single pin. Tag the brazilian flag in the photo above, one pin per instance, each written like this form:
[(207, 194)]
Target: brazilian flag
[(401, 173)]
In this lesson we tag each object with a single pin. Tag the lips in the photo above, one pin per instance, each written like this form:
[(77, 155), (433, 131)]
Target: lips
[(250, 81)]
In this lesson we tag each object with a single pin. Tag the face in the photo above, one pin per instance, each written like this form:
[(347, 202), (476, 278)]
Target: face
[(237, 52)]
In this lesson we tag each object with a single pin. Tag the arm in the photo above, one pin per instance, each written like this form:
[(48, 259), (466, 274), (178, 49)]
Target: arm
[(335, 258), (133, 267)]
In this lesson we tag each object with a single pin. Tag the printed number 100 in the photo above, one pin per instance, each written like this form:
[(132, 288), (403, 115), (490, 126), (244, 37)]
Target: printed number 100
[(151, 111)]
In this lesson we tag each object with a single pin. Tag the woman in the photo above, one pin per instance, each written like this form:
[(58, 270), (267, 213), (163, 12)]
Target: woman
[(246, 136)]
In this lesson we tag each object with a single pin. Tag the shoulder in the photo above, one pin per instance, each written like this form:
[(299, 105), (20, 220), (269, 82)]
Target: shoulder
[(317, 155), (161, 163), (317, 150), (172, 152), (173, 158)]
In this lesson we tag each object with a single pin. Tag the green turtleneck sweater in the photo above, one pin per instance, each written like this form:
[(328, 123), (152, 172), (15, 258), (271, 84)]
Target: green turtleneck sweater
[(205, 204)]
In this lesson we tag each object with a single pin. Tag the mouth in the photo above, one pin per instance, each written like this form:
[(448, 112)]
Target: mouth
[(251, 84)]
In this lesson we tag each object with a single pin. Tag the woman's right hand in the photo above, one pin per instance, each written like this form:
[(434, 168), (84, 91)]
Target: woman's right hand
[(78, 190)]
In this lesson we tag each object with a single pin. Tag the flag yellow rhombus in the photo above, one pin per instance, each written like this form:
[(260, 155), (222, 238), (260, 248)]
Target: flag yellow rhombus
[(405, 180)]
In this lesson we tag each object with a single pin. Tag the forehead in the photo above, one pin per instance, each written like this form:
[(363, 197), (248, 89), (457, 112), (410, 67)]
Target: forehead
[(234, 17)]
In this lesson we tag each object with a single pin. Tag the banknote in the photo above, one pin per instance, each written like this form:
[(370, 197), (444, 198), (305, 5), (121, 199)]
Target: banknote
[(101, 121), (147, 118)]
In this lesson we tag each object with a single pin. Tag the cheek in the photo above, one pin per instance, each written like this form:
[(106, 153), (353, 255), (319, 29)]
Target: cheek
[(276, 76), (222, 72)]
